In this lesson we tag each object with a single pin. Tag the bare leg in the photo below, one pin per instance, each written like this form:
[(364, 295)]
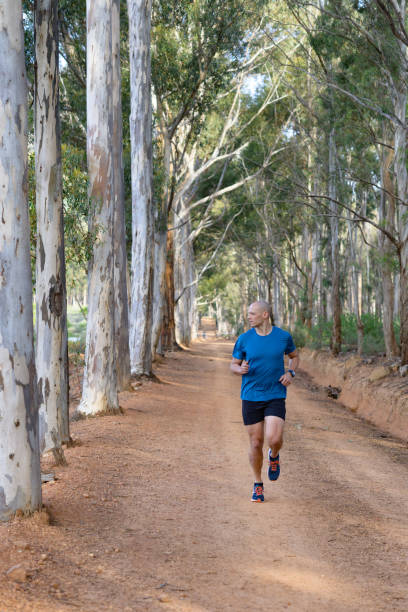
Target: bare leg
[(256, 439), (274, 433)]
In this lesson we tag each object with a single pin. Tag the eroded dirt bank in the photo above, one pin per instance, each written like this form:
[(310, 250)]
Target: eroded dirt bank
[(375, 391), (153, 511)]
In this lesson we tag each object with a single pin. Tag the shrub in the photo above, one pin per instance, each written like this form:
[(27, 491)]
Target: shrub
[(319, 335)]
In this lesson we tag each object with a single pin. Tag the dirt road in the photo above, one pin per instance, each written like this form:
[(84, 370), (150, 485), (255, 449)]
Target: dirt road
[(154, 512)]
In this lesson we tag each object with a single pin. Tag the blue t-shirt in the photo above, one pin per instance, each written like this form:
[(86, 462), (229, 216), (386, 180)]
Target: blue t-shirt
[(265, 357)]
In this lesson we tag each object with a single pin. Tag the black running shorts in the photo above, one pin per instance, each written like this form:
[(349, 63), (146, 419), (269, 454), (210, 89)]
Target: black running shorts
[(255, 412)]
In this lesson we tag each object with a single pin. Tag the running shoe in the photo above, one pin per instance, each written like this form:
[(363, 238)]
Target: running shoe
[(257, 495), (274, 468)]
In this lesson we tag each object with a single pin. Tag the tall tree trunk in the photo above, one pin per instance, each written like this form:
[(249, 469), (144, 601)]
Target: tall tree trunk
[(184, 277), (160, 245), (334, 238), (169, 328), (142, 186), (99, 394), (307, 266), (400, 147), (119, 233), (277, 292), (355, 288), (159, 286), (160, 236), (51, 302), (20, 475), (316, 274), (387, 219)]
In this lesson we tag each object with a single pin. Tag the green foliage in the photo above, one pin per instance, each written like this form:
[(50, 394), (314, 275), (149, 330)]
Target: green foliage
[(78, 238), (76, 335), (197, 46), (320, 334)]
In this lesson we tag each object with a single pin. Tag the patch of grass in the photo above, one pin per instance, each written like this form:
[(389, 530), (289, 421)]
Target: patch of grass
[(76, 335), (76, 326)]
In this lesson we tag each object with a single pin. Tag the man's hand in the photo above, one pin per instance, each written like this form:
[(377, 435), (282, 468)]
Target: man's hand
[(244, 367), (286, 379), (239, 366)]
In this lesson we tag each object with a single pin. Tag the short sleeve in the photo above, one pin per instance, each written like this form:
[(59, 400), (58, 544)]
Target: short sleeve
[(239, 352), (290, 345)]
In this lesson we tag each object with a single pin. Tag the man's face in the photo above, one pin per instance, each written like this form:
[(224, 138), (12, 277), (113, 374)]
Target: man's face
[(256, 316)]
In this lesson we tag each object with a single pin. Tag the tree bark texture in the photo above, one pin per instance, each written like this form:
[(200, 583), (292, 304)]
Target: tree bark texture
[(169, 332), (99, 394), (277, 303), (355, 277), (161, 213), (334, 238), (387, 219), (121, 308), (51, 299), (316, 275), (20, 475), (142, 187), (184, 277), (400, 167), (159, 286)]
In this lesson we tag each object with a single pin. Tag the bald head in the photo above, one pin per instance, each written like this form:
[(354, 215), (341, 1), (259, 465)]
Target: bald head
[(260, 315), (263, 306)]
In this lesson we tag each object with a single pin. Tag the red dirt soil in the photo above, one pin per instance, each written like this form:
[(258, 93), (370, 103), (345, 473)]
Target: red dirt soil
[(153, 511)]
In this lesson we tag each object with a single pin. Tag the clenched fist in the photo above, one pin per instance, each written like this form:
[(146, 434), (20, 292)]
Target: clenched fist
[(244, 367)]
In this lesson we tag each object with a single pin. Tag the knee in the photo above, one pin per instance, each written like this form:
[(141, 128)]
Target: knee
[(275, 440), (256, 444)]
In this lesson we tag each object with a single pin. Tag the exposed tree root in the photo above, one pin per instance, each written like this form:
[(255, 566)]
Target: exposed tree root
[(79, 416), (59, 456)]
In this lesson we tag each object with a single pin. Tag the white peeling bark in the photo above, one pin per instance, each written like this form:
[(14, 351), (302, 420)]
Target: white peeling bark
[(159, 286), (184, 277), (401, 174), (51, 319), (142, 187), (119, 236), (20, 475), (99, 394)]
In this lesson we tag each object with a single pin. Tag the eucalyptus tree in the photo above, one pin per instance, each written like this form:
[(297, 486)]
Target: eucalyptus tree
[(334, 243), (357, 71), (20, 476), (197, 47), (72, 24), (121, 309), (51, 319), (387, 210), (99, 394), (396, 17), (142, 187), (377, 83)]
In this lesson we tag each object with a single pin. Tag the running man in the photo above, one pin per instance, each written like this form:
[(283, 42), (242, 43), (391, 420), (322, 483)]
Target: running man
[(258, 357)]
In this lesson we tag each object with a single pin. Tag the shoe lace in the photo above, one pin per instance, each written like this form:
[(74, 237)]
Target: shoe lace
[(258, 490), (274, 465)]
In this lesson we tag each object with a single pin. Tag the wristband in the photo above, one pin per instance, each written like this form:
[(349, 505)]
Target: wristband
[(292, 373)]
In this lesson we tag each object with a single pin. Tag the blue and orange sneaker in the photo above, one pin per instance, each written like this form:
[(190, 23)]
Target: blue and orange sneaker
[(274, 467), (257, 495)]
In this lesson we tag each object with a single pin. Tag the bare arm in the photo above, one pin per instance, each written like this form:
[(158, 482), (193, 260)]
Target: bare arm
[(239, 366), (294, 360), (286, 379)]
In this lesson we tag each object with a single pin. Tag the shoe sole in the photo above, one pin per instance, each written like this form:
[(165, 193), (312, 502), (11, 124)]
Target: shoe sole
[(258, 501)]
